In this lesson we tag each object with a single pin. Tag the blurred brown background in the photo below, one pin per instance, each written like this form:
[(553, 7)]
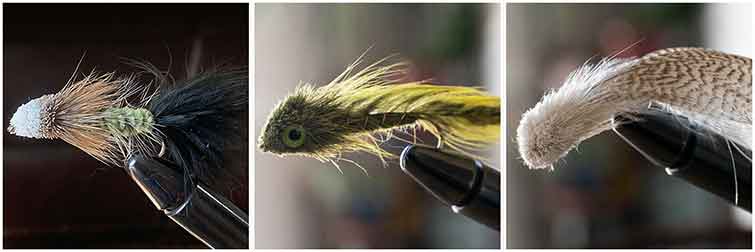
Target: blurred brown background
[(56, 196), (302, 203), (605, 195)]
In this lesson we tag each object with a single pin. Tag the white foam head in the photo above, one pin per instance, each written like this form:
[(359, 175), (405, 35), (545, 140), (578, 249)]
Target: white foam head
[(27, 121)]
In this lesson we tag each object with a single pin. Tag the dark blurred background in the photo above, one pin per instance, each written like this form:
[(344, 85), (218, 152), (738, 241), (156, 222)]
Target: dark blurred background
[(302, 203), (56, 196), (605, 195)]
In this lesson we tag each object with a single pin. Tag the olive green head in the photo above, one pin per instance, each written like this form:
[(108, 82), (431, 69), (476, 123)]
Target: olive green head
[(303, 124)]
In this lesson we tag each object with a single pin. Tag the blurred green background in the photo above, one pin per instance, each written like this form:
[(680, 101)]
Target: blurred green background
[(302, 203), (605, 195)]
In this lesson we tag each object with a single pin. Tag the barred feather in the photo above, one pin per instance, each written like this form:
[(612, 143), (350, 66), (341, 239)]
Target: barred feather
[(347, 114), (711, 88)]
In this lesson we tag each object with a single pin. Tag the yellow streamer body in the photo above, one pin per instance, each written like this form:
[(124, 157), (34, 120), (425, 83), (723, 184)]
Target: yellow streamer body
[(349, 113)]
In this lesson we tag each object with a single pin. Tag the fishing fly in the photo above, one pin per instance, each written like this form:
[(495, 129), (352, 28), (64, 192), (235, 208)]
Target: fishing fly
[(711, 88), (360, 109), (185, 122)]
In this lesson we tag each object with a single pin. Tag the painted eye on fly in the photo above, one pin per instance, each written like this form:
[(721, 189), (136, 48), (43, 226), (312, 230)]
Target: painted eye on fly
[(293, 136)]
